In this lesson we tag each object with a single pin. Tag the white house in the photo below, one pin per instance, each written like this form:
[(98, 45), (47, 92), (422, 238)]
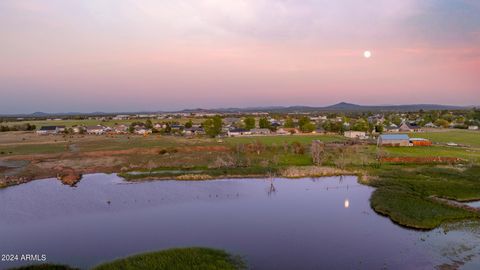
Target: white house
[(238, 132), (473, 127), (45, 130), (142, 131), (120, 129), (96, 130)]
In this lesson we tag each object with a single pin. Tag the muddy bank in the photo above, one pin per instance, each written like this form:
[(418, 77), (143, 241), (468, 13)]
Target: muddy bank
[(69, 176)]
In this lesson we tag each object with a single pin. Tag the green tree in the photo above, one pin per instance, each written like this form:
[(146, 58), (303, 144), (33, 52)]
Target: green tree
[(249, 122), (213, 126), (305, 124), (307, 127), (304, 120), (148, 124), (189, 124), (476, 114), (289, 123), (167, 129), (396, 120), (264, 123), (379, 128), (442, 123), (360, 125), (334, 126)]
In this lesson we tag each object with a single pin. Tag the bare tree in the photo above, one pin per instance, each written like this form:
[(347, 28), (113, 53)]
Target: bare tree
[(286, 147), (340, 162), (297, 148), (317, 152)]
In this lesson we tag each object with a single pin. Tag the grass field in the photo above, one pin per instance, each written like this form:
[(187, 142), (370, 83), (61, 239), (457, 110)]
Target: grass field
[(279, 140), (178, 259), (469, 154), (464, 137)]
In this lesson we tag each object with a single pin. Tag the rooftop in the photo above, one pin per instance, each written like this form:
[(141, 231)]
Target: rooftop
[(394, 137)]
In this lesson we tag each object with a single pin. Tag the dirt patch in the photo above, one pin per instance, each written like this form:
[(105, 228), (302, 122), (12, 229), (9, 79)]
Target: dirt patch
[(194, 177), (213, 148), (312, 171)]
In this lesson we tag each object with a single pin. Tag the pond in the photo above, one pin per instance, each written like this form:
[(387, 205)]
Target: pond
[(475, 204), (273, 223)]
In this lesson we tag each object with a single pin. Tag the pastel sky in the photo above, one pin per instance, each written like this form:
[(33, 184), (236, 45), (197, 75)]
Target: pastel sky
[(130, 55)]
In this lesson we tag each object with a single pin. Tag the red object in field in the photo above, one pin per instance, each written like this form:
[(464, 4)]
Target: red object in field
[(422, 143)]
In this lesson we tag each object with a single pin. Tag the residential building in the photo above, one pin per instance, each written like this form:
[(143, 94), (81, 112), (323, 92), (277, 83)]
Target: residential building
[(238, 132), (142, 131), (194, 131), (120, 129), (177, 127), (96, 130), (45, 130), (409, 127), (287, 131), (260, 131), (231, 121)]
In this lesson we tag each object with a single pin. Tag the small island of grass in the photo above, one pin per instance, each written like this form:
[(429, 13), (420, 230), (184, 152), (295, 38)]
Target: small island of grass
[(178, 258), (195, 258)]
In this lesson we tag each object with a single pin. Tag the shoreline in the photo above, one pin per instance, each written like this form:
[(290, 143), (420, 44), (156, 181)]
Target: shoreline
[(290, 172)]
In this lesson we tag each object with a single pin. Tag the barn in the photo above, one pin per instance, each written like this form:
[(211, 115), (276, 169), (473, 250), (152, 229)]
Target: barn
[(393, 140)]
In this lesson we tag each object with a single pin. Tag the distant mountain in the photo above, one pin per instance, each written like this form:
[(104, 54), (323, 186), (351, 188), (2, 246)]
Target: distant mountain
[(39, 114), (401, 108), (344, 106), (339, 107)]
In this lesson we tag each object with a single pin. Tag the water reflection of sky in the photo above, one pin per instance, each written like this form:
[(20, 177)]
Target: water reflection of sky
[(275, 223), (475, 204)]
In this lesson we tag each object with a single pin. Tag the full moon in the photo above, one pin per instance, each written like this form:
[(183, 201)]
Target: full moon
[(367, 54)]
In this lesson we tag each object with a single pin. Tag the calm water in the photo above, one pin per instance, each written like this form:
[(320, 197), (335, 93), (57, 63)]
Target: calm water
[(281, 224), (474, 204)]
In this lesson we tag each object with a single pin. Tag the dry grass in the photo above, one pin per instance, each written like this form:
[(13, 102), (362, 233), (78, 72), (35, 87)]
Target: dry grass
[(194, 177), (312, 171)]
